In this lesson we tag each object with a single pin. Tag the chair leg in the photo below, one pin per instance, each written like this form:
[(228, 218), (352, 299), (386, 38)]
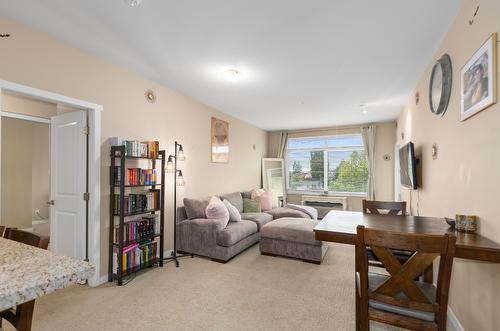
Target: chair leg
[(358, 325), (24, 313), (362, 322), (21, 317)]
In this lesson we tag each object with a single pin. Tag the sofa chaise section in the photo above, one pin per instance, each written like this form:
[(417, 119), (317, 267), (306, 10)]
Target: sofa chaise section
[(282, 212), (292, 237)]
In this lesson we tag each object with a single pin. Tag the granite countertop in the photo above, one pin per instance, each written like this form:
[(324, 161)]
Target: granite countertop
[(27, 272)]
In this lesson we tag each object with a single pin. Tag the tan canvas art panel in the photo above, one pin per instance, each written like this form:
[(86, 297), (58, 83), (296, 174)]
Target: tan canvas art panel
[(220, 141)]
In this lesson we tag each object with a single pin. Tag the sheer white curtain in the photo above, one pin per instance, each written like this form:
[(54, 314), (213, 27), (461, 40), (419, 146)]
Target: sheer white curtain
[(368, 132), (282, 145)]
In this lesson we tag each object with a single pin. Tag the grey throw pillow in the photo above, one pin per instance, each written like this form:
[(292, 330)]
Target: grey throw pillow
[(246, 195), (195, 208), (235, 199), (234, 214)]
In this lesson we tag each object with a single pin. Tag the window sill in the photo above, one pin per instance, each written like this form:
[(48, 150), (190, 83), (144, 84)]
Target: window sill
[(330, 194)]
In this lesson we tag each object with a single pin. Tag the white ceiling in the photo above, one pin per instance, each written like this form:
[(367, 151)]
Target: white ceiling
[(304, 63)]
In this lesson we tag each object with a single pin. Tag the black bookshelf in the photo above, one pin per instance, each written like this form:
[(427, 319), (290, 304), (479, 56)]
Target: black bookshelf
[(118, 156)]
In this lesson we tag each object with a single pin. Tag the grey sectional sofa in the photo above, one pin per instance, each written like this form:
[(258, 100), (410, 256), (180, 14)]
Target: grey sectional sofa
[(207, 237)]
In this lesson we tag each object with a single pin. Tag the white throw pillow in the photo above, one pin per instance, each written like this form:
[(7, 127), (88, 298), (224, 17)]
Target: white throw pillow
[(234, 214), (217, 210)]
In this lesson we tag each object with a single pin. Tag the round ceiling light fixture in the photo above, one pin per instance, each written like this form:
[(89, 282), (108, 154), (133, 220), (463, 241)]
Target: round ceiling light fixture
[(363, 108), (232, 75), (133, 3)]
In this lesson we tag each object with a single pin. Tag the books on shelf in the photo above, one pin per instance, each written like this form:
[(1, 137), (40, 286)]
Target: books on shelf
[(135, 203), (135, 256), (138, 229), (137, 148), (136, 176)]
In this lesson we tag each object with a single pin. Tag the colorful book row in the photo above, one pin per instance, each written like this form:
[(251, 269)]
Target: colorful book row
[(136, 176), (134, 203), (136, 256), (138, 229), (137, 148)]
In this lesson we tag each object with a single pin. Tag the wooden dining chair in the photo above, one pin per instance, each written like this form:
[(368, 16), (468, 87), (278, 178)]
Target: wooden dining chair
[(397, 298), (27, 238), (18, 316), (384, 207)]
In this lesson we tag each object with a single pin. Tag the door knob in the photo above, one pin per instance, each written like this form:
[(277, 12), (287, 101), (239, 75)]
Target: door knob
[(51, 202)]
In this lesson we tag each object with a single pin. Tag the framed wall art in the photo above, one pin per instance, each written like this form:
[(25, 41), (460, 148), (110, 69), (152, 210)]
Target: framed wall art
[(479, 80), (220, 141)]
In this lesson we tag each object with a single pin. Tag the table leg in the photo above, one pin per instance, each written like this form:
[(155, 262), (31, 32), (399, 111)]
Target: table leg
[(23, 316)]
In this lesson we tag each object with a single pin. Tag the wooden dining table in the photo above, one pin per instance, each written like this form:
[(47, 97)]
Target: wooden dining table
[(27, 273), (340, 227)]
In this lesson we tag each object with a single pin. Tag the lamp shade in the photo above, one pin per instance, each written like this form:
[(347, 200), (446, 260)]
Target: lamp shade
[(180, 154), (180, 179), (170, 165)]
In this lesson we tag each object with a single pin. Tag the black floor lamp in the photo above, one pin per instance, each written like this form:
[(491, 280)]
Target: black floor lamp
[(171, 167)]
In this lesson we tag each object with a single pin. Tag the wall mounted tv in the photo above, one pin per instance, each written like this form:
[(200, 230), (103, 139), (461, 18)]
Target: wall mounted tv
[(408, 166)]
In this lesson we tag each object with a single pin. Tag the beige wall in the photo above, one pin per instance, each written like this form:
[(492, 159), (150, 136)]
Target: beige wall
[(17, 151), (40, 169), (24, 169), (465, 177), (51, 65), (384, 170)]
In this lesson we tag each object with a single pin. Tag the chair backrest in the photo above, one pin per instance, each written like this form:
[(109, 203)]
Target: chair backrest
[(27, 238), (387, 207), (402, 277), (2, 230)]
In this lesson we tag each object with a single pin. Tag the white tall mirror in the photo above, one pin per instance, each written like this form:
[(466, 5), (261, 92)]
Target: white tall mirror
[(273, 179)]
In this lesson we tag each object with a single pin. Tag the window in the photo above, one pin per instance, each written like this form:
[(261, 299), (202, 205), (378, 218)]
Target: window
[(333, 164)]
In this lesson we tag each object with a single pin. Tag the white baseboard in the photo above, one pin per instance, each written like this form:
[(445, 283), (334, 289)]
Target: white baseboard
[(454, 322), (104, 279)]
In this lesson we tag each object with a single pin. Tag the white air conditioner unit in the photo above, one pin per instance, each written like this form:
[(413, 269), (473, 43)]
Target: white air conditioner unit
[(324, 203)]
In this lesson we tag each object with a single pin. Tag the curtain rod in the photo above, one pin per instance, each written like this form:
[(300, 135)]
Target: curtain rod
[(328, 128)]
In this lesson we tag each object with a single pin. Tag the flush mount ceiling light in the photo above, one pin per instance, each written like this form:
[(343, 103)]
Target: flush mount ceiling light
[(133, 3), (232, 75), (363, 108)]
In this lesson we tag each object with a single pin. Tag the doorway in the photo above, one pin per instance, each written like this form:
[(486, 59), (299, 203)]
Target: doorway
[(44, 172), (25, 156), (73, 176)]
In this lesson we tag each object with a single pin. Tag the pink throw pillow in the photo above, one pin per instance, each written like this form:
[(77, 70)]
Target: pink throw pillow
[(217, 210), (266, 200), (256, 192)]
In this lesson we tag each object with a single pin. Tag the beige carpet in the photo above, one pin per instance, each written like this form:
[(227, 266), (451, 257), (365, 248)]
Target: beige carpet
[(251, 292)]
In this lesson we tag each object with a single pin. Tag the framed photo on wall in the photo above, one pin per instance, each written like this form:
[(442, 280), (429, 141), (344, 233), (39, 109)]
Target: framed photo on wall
[(220, 141), (479, 80)]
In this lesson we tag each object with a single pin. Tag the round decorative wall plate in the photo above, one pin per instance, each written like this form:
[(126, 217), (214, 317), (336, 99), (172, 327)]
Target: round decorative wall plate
[(440, 85)]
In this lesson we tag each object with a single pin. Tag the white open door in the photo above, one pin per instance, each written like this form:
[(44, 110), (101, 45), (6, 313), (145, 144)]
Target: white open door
[(68, 184)]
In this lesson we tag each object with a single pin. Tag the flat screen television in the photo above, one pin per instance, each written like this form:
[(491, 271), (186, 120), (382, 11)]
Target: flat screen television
[(408, 166)]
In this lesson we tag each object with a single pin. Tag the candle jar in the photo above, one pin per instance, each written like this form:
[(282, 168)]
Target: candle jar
[(466, 223)]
